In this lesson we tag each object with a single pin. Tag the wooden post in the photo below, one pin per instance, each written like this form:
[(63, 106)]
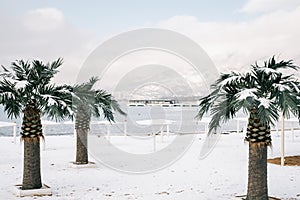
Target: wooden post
[(154, 141), (125, 129), (15, 132), (277, 129), (108, 132), (206, 127), (161, 134), (168, 130), (282, 141), (293, 134)]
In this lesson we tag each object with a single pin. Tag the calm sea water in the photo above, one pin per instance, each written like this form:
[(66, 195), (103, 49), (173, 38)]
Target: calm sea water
[(183, 117)]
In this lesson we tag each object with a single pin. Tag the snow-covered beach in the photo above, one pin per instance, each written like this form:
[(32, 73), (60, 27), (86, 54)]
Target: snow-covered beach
[(221, 175)]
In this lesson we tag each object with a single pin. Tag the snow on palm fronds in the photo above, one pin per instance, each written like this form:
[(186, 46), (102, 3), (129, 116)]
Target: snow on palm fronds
[(244, 94), (94, 102), (281, 87), (26, 81), (268, 70), (229, 79), (263, 87), (264, 102)]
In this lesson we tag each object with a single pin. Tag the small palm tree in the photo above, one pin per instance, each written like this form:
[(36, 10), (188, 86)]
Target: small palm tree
[(263, 93), (26, 88), (88, 102)]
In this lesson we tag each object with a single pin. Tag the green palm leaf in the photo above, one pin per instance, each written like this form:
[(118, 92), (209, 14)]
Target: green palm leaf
[(26, 81), (267, 83)]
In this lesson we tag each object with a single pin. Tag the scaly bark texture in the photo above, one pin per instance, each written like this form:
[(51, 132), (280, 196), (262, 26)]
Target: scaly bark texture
[(31, 134), (256, 131), (32, 164), (82, 126), (81, 147), (257, 172), (259, 137)]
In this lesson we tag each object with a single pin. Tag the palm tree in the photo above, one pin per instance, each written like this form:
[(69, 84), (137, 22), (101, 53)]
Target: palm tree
[(26, 88), (88, 102), (263, 93)]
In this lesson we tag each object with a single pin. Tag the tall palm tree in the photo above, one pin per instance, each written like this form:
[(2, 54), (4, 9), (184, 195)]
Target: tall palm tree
[(88, 102), (263, 93), (26, 88)]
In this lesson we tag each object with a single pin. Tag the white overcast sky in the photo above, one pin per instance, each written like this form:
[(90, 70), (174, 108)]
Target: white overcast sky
[(234, 33)]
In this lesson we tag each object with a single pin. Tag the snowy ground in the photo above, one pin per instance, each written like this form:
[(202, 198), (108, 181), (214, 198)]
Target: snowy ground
[(221, 175)]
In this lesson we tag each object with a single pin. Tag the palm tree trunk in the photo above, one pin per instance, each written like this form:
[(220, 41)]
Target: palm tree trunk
[(32, 167), (259, 137), (31, 134), (257, 172), (81, 146), (82, 126)]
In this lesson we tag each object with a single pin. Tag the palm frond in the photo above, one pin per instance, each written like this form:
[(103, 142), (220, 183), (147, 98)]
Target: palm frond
[(273, 64), (57, 102), (268, 114), (104, 101), (264, 88), (94, 102), (26, 81)]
